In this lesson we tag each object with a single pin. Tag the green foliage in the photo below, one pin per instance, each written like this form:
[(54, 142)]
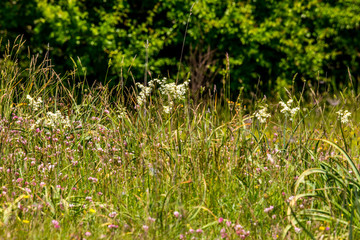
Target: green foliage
[(267, 40)]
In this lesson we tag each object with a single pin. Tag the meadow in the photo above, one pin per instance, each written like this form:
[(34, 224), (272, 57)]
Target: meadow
[(147, 162)]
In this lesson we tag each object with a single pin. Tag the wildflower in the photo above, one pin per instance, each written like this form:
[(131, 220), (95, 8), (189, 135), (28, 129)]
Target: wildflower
[(176, 92), (112, 214), (35, 104), (297, 230), (176, 214), (343, 116), (55, 224), (290, 198), (191, 230), (88, 199), (87, 234), (112, 226), (287, 110), (220, 220), (262, 115), (223, 233), (145, 227), (151, 219), (270, 158), (19, 180), (144, 93), (268, 209), (199, 230), (91, 210), (122, 113), (25, 221), (238, 227), (228, 223), (167, 109), (94, 180), (55, 119)]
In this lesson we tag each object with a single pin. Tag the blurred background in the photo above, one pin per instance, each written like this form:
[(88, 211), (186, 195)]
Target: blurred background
[(248, 45)]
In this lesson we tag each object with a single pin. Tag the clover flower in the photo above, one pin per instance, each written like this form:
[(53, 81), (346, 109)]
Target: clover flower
[(266, 210), (55, 224), (343, 116), (112, 214)]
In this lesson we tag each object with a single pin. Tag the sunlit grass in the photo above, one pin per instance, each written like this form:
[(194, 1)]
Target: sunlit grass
[(91, 162)]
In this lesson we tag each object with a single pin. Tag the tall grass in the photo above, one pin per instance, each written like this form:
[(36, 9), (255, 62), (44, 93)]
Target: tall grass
[(104, 168)]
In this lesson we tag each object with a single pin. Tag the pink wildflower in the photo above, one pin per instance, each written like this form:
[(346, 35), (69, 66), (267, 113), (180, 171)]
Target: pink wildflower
[(268, 209), (112, 226), (19, 180), (112, 214), (55, 224)]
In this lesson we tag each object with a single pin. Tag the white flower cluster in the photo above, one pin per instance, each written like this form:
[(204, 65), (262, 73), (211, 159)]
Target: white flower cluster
[(287, 110), (262, 115), (35, 104), (171, 90), (144, 93), (51, 119), (175, 92), (343, 116), (122, 112), (55, 119), (167, 109)]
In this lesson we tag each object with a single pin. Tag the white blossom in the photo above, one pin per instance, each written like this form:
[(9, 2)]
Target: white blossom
[(287, 110), (35, 104), (122, 112), (343, 116), (169, 91), (144, 93), (262, 115)]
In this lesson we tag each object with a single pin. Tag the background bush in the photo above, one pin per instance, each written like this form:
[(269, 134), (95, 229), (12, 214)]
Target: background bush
[(268, 42)]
